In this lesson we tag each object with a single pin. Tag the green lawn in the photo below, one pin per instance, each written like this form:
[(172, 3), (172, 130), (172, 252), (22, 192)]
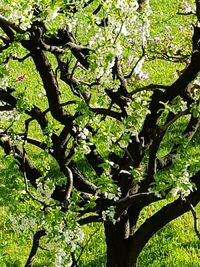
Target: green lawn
[(176, 245)]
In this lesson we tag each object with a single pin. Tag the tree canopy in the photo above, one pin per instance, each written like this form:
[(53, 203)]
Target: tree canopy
[(87, 135)]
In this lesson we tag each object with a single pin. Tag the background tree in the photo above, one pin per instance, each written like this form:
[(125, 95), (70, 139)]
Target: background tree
[(87, 131)]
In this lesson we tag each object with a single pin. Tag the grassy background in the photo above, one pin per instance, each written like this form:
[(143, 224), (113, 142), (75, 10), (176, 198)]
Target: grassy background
[(176, 244)]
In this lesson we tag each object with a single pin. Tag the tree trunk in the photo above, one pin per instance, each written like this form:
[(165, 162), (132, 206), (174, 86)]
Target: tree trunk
[(118, 245)]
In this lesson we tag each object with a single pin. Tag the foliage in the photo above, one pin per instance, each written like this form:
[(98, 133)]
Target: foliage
[(86, 136)]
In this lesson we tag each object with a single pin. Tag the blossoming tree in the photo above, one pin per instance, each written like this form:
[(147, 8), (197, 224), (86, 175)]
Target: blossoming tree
[(84, 131)]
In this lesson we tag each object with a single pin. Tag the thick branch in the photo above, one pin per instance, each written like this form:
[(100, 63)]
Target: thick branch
[(48, 77), (80, 182), (6, 23), (198, 9), (161, 218), (134, 200), (168, 95), (117, 70)]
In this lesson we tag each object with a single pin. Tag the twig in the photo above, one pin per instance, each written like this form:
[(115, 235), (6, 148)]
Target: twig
[(177, 116), (137, 62), (123, 148), (52, 108), (17, 58), (24, 164), (59, 105), (73, 70), (96, 11), (75, 264), (194, 214), (150, 87), (185, 14), (107, 112), (164, 56), (45, 249), (118, 34)]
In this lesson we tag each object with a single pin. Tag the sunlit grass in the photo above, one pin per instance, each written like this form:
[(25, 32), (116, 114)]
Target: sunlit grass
[(176, 244)]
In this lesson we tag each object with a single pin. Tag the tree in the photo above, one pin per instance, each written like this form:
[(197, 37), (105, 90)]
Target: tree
[(86, 130)]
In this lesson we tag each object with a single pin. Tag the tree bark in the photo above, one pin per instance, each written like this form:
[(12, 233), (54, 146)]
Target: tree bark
[(116, 245), (117, 241)]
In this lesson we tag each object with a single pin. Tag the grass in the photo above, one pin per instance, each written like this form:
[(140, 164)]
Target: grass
[(176, 244)]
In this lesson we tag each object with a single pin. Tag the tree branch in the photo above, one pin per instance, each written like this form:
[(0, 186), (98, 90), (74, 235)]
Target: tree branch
[(9, 24), (48, 77), (35, 245), (35, 112), (176, 117), (150, 87), (107, 112), (194, 214), (188, 133), (198, 9), (133, 200), (161, 218), (90, 219)]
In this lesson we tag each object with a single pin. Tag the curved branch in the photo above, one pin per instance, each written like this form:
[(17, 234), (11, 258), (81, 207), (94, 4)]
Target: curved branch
[(150, 87), (50, 83), (107, 112), (135, 65), (125, 203), (194, 214), (34, 142), (80, 182), (69, 185), (175, 118), (35, 245), (161, 218)]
